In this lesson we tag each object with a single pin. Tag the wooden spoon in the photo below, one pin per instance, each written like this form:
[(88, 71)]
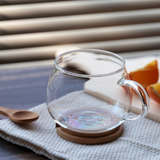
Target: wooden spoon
[(19, 116)]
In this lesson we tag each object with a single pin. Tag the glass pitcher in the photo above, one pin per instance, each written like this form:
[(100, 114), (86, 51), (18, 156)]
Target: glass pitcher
[(89, 91)]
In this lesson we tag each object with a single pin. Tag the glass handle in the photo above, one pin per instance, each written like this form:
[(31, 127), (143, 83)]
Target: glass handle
[(142, 94)]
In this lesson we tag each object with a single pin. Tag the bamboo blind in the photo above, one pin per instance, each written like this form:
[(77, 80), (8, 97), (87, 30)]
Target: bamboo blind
[(36, 29)]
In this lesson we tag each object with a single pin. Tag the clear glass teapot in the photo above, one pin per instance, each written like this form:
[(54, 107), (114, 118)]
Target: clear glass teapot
[(89, 91)]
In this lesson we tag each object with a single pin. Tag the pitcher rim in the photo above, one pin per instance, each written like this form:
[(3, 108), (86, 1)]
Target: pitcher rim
[(89, 75)]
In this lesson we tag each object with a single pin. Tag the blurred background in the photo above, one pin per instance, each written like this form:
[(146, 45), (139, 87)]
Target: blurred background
[(33, 30)]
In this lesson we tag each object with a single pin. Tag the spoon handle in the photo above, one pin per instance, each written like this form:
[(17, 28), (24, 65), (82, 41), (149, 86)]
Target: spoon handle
[(5, 111)]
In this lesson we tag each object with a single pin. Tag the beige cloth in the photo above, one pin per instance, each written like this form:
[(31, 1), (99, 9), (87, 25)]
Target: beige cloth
[(140, 139)]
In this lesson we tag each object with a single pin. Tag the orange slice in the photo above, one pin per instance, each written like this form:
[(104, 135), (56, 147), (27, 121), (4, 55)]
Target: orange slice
[(147, 75), (154, 92)]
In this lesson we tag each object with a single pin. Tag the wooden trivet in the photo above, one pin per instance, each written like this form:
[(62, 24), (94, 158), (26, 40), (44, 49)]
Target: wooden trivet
[(90, 138)]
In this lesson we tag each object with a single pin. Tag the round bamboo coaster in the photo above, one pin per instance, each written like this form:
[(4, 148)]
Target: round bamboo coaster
[(90, 138)]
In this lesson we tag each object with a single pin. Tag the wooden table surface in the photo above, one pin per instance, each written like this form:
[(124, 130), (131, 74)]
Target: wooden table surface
[(22, 89)]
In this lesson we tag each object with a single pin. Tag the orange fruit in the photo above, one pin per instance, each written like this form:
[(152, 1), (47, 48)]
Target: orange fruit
[(147, 75), (154, 92)]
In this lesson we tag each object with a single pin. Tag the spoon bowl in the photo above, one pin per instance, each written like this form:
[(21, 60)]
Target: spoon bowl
[(19, 116), (24, 115)]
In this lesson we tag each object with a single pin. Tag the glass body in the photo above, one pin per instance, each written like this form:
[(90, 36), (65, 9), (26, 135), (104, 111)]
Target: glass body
[(89, 91)]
